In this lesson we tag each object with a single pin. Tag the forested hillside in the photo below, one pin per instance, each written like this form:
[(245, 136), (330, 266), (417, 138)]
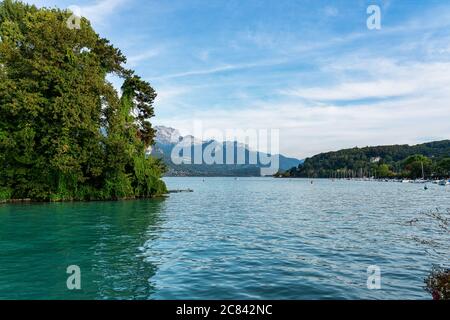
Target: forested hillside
[(381, 161)]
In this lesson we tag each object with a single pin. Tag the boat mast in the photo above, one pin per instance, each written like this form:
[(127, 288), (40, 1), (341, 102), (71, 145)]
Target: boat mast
[(423, 172)]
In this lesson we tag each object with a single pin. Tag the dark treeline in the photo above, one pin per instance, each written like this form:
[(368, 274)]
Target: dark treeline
[(65, 134), (397, 161)]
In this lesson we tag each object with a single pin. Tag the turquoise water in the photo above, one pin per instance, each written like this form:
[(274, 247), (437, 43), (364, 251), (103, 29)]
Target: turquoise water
[(252, 238)]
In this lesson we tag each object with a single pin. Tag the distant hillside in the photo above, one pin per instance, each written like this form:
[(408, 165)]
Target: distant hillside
[(167, 138), (381, 161)]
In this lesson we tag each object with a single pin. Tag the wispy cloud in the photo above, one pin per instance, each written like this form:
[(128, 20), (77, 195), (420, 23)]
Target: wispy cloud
[(134, 60), (99, 12), (222, 68), (394, 80), (307, 130), (316, 123), (166, 95), (355, 91)]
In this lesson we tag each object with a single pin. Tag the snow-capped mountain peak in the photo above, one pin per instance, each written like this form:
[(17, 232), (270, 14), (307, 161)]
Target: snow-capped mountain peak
[(166, 135)]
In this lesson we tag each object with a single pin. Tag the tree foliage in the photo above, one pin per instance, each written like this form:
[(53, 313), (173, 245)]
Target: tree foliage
[(382, 161), (64, 131)]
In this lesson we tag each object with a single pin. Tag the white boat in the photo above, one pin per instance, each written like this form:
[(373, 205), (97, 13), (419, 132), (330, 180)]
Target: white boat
[(444, 182), (406, 181)]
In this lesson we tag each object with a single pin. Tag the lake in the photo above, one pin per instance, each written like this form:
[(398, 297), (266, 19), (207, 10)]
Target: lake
[(251, 238)]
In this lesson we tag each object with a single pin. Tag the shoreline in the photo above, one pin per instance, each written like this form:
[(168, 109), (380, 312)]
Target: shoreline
[(31, 201)]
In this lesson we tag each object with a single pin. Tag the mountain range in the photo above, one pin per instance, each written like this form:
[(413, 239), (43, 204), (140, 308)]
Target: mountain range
[(168, 138)]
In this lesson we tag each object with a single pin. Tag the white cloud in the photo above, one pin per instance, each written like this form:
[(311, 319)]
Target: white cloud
[(102, 9), (309, 127), (199, 72), (386, 81), (166, 95), (222, 68), (134, 60), (307, 130), (355, 91), (97, 13)]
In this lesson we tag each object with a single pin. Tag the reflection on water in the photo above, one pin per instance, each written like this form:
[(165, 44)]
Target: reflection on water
[(38, 243), (252, 238)]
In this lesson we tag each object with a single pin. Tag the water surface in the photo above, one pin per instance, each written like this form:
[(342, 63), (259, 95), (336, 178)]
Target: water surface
[(250, 238)]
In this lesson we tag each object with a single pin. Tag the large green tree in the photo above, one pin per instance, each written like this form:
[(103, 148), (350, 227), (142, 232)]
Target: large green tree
[(417, 165), (443, 167), (64, 131)]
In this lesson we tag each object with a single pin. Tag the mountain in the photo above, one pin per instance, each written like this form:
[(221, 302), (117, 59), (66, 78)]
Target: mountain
[(165, 135), (168, 138), (380, 161)]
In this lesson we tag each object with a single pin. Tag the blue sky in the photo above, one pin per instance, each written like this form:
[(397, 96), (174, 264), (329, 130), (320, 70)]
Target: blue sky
[(310, 68)]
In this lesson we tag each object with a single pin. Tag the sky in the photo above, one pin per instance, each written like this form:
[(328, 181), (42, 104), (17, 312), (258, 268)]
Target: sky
[(310, 68)]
